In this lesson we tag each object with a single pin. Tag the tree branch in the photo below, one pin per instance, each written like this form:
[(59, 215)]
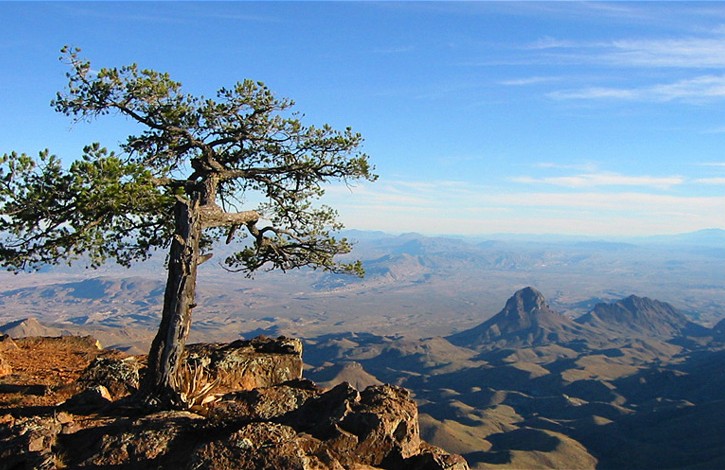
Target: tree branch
[(214, 216)]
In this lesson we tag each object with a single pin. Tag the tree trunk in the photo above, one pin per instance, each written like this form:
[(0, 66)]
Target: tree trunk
[(165, 356)]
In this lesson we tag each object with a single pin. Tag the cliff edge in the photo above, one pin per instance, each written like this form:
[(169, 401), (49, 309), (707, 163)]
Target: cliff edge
[(64, 404)]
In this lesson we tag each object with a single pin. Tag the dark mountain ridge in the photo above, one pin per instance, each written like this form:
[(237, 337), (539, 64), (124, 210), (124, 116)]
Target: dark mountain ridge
[(641, 316), (527, 321)]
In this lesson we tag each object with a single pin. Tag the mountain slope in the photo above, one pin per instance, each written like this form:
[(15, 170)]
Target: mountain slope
[(642, 316), (525, 321), (28, 327)]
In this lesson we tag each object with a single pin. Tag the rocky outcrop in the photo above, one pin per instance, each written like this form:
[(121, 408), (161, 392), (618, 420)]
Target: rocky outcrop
[(27, 443), (249, 364), (264, 445), (261, 404), (377, 427), (288, 426), (119, 376), (233, 367), (285, 424)]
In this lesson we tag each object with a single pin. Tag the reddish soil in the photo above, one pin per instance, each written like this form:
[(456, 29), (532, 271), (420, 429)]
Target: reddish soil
[(44, 370)]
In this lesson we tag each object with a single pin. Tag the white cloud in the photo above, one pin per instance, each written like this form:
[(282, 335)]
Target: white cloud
[(587, 166), (464, 208), (594, 93), (529, 81), (695, 89), (714, 130), (690, 52), (713, 181), (549, 42), (587, 180)]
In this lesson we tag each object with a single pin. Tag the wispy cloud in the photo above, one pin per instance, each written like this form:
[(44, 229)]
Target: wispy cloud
[(459, 207), (713, 181), (692, 52), (393, 50), (704, 52), (681, 52), (588, 180), (714, 130), (549, 42), (692, 90), (530, 81), (586, 166)]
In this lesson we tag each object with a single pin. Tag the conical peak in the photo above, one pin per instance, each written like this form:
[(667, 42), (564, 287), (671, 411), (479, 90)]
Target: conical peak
[(526, 300)]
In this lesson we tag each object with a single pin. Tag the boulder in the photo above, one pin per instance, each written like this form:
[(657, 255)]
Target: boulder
[(154, 441), (249, 364), (378, 427), (264, 445), (434, 458), (385, 422), (320, 415), (119, 376), (263, 403), (92, 398), (28, 442)]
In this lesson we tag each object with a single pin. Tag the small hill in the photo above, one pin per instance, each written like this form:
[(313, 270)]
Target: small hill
[(28, 327), (350, 372), (525, 321), (641, 316)]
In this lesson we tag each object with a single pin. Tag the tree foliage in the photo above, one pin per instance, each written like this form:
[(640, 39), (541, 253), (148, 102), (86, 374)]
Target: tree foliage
[(213, 152), (179, 184)]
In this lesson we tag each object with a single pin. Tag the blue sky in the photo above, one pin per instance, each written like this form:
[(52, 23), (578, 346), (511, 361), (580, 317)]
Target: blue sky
[(481, 117)]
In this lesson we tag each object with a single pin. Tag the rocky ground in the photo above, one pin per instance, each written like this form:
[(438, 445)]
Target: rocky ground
[(64, 404)]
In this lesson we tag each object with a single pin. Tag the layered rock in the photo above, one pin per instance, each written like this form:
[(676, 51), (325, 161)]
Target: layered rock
[(335, 429), (28, 442), (249, 364), (283, 424)]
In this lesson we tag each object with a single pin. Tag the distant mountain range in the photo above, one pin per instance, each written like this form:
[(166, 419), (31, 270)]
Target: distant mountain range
[(583, 370), (527, 321), (414, 285), (632, 384)]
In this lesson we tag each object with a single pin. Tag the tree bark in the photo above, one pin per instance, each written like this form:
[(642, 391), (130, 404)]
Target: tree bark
[(159, 387)]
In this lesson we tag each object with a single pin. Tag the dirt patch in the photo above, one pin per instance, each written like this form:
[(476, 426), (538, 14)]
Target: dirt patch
[(44, 370)]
